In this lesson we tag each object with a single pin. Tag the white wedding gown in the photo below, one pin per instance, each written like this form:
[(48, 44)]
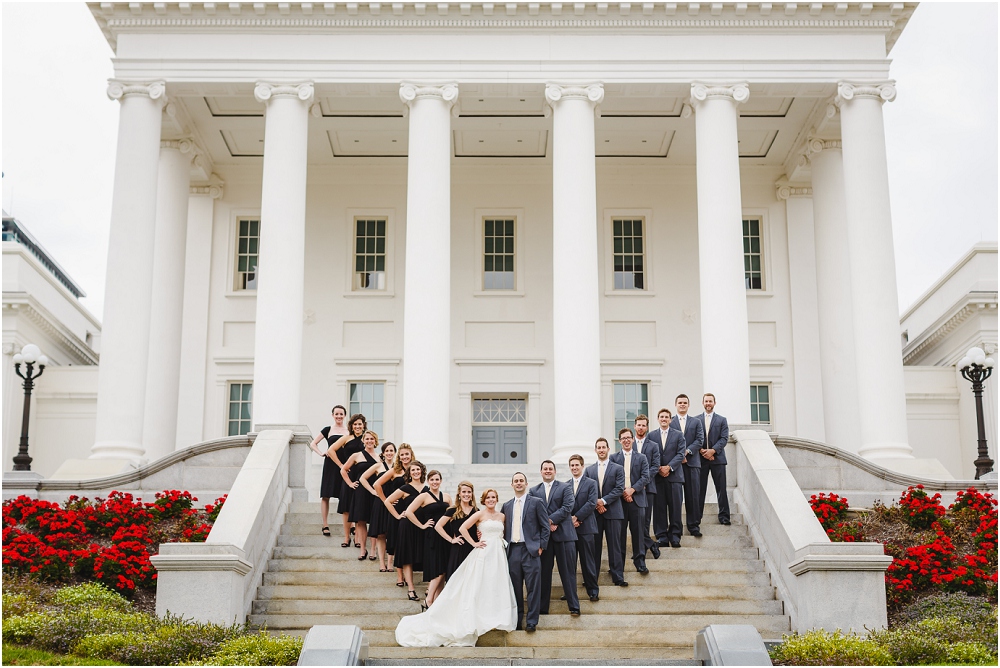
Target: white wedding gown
[(478, 597)]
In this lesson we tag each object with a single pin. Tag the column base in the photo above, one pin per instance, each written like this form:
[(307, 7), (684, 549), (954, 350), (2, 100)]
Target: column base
[(887, 450), (88, 469), (117, 450), (921, 468), (561, 452), (433, 453)]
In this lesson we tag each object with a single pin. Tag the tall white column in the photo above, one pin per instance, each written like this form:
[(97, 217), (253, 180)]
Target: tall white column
[(121, 385), (838, 364), (576, 315), (725, 338), (427, 304), (277, 365), (159, 427), (194, 335), (800, 224), (881, 391)]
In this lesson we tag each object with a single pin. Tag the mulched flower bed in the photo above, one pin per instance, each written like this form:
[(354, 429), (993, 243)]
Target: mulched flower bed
[(107, 540)]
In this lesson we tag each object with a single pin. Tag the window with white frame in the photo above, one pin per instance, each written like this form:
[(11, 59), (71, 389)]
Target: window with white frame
[(760, 404), (752, 256), (369, 253), (240, 408), (631, 399), (247, 247), (498, 253), (629, 253), (368, 398)]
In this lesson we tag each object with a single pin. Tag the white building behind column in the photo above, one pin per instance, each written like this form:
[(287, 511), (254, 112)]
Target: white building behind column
[(499, 254)]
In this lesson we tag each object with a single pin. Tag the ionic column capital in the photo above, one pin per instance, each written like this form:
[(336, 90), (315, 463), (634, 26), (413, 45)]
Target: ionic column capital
[(816, 145), (737, 93), (883, 91), (785, 191), (184, 145), (265, 92), (215, 190), (410, 93), (154, 90), (593, 93)]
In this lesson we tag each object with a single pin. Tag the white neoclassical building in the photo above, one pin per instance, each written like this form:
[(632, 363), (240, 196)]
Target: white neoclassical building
[(500, 230)]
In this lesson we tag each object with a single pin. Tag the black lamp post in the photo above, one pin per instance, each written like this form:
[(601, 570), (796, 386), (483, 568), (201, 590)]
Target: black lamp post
[(976, 368), (30, 355)]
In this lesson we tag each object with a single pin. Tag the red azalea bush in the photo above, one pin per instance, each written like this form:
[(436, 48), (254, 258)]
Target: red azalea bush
[(108, 540), (934, 550)]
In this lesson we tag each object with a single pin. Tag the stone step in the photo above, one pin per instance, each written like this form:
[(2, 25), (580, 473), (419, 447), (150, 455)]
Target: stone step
[(506, 656), (391, 594), (313, 507), (719, 541), (714, 577), (345, 559), (401, 607), (557, 630), (311, 526)]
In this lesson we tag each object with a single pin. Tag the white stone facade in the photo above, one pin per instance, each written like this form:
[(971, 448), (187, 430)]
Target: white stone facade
[(561, 117)]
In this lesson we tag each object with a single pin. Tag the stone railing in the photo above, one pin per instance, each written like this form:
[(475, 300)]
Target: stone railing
[(216, 581), (823, 584)]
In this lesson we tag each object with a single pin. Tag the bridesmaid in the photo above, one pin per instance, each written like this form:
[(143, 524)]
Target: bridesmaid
[(361, 500), (388, 483), (343, 448), (425, 512), (378, 521), (449, 525), (410, 543), (330, 484)]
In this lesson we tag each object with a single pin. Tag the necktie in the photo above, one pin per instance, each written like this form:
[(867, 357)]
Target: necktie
[(600, 479), (576, 484), (548, 490), (515, 534), (683, 424), (663, 438), (628, 470), (708, 421)]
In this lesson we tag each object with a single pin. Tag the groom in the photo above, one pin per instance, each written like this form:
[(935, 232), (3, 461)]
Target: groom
[(526, 530)]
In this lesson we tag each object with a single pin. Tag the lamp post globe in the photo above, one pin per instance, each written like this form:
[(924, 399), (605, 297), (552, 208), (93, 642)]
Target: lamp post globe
[(976, 367), (34, 363)]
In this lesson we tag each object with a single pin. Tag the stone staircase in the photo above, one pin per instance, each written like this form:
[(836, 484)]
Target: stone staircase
[(718, 579)]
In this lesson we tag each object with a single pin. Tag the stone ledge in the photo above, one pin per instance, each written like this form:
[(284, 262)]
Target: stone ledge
[(201, 562), (844, 562)]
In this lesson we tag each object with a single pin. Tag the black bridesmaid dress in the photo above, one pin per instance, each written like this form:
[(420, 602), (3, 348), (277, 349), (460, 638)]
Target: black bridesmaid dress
[(458, 553), (378, 520), (436, 548), (392, 528), (410, 544), (331, 482), (352, 446), (361, 498)]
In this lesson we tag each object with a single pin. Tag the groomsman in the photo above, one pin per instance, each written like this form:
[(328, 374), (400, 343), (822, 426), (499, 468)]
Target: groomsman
[(694, 436), (558, 499), (610, 479), (651, 450), (636, 470), (585, 522), (714, 457), (526, 530), (669, 481)]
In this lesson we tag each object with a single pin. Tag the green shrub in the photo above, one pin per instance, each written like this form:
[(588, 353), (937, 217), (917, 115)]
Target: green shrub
[(62, 631), (978, 614), (17, 604), (820, 648), (22, 629), (90, 595), (911, 647), (972, 654), (176, 641), (259, 649)]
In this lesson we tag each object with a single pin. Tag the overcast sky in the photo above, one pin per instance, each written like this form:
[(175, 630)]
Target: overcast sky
[(59, 135)]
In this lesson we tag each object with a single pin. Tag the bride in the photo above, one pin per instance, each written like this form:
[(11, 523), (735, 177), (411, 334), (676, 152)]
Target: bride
[(478, 597)]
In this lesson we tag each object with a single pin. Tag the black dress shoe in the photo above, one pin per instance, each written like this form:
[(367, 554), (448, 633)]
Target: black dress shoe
[(663, 543), (656, 551), (621, 583), (518, 628), (696, 533), (574, 613), (675, 543), (530, 628), (725, 522), (642, 569), (563, 597), (595, 598)]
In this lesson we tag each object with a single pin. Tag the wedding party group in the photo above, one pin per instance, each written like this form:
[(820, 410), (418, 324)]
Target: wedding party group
[(479, 557)]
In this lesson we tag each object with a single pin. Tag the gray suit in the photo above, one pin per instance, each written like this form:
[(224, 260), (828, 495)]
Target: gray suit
[(667, 524), (651, 449), (609, 522), (584, 502), (562, 543), (694, 435), (635, 510), (716, 439), (523, 561)]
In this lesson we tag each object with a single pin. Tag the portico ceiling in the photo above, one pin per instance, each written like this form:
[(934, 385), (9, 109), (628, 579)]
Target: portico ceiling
[(351, 121)]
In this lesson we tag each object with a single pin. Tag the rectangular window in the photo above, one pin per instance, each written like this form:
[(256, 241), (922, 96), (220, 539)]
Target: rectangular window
[(369, 254), (240, 408), (629, 253), (752, 258), (498, 254), (248, 238), (631, 399), (369, 400), (760, 404)]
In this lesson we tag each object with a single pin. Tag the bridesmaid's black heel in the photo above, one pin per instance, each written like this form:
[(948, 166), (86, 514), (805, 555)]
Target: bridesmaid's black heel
[(363, 557), (412, 595)]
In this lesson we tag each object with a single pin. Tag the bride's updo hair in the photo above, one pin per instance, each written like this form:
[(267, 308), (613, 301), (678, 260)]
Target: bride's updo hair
[(482, 499), (459, 513)]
